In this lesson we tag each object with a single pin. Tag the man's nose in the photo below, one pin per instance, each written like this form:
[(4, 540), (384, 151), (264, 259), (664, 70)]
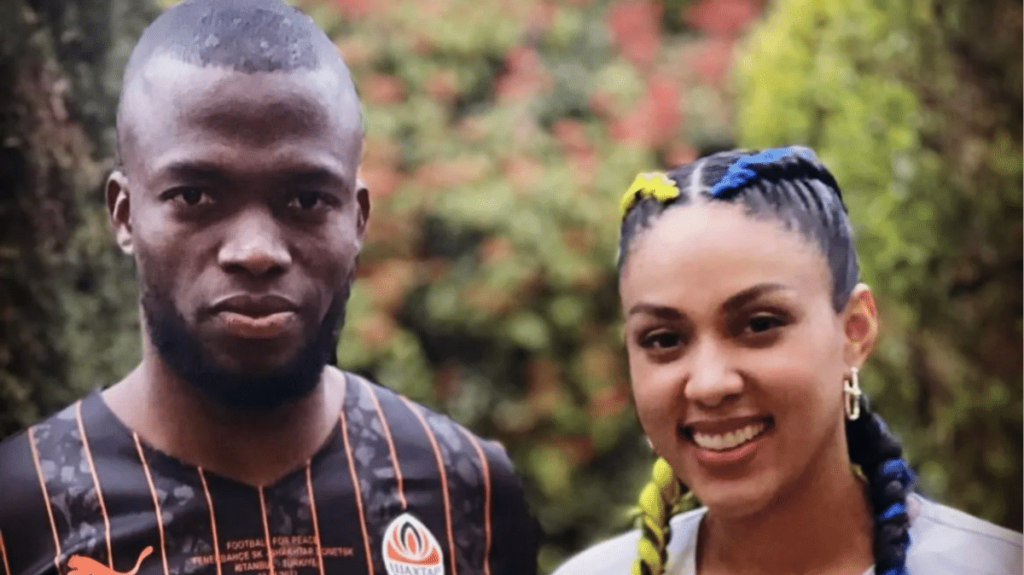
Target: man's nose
[(254, 245), (712, 379)]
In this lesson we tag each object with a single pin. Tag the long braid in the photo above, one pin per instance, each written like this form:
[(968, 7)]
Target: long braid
[(880, 456), (657, 502), (794, 186)]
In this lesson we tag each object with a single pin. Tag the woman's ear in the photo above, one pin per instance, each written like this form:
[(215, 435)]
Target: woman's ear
[(860, 326)]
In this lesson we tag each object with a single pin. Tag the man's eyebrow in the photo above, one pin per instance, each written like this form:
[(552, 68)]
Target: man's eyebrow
[(309, 174), (752, 293), (193, 170)]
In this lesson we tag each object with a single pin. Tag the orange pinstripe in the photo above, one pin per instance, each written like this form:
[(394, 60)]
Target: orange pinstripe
[(3, 555), (391, 444), (313, 513), (46, 496), (487, 498), (266, 532), (213, 518), (444, 480), (95, 481), (156, 500), (359, 494)]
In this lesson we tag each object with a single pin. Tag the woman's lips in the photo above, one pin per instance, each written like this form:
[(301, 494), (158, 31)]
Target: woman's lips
[(727, 441)]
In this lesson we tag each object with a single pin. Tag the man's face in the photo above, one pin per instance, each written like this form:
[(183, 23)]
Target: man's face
[(240, 202)]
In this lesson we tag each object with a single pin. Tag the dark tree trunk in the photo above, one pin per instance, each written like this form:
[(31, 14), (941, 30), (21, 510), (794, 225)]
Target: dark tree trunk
[(59, 74)]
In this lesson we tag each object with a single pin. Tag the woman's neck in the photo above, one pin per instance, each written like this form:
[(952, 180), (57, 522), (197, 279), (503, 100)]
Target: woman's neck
[(823, 526)]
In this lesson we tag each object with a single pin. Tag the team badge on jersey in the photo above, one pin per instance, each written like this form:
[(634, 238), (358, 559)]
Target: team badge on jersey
[(411, 549)]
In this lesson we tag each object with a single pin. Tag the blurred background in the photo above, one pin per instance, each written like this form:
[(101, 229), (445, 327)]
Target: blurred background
[(501, 135)]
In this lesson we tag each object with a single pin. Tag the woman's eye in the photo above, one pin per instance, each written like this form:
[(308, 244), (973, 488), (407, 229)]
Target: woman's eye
[(661, 340), (762, 323)]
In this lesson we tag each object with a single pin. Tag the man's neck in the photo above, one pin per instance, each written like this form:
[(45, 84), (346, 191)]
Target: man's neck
[(256, 448), (825, 527)]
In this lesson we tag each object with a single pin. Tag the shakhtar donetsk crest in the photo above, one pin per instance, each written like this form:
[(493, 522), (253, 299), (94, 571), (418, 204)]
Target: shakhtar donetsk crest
[(410, 548)]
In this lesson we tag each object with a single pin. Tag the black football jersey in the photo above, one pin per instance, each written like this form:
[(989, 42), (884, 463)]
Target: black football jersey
[(396, 490)]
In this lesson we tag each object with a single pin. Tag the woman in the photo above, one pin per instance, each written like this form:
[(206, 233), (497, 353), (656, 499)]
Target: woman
[(745, 326)]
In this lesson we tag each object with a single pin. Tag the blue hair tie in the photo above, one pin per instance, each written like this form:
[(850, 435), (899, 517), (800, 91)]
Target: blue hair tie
[(897, 469), (740, 172), (893, 510)]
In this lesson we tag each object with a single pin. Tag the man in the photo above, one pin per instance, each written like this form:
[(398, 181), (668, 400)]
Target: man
[(233, 447)]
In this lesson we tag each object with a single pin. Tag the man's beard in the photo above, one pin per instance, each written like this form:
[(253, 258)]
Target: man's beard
[(182, 351)]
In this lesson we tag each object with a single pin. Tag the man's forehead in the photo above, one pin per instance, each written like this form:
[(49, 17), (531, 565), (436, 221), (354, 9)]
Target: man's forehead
[(173, 104), (165, 73), (168, 89)]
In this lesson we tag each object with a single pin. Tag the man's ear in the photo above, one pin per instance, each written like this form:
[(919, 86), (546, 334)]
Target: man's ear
[(363, 199), (119, 210), (860, 326)]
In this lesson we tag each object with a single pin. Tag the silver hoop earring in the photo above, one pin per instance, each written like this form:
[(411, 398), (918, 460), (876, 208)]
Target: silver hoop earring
[(851, 395)]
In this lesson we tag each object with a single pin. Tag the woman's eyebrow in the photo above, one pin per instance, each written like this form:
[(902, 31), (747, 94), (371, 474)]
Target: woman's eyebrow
[(752, 293), (661, 311), (734, 302)]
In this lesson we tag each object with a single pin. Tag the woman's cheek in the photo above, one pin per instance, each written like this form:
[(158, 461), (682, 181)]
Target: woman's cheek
[(655, 398)]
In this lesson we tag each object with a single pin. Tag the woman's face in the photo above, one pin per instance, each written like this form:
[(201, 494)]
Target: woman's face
[(736, 354)]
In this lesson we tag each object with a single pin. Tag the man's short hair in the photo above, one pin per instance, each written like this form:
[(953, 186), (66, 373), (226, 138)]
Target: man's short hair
[(247, 36), (243, 35)]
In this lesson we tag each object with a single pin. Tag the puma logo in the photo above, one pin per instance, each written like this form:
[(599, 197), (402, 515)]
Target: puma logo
[(86, 566)]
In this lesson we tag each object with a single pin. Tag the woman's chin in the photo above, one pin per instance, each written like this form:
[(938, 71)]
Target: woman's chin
[(737, 498)]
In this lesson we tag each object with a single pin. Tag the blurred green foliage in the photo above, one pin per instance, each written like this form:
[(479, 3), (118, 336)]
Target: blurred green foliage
[(916, 108), (67, 296), (496, 154), (500, 136)]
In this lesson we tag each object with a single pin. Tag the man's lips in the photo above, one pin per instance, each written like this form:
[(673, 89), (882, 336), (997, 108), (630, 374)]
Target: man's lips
[(262, 327), (254, 305), (256, 316)]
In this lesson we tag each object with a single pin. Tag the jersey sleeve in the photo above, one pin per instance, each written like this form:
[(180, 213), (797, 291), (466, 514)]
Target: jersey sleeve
[(515, 532), (26, 536)]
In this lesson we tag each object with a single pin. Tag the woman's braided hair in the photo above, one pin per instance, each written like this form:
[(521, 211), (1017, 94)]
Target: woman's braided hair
[(792, 186), (657, 501)]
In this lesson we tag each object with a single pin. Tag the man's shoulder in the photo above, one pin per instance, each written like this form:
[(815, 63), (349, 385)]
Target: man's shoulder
[(409, 422), (947, 540), (16, 468), (22, 454), (28, 460), (482, 496)]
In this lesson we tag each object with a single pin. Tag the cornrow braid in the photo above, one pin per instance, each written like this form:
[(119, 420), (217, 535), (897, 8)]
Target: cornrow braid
[(880, 456), (792, 186), (658, 500), (789, 185)]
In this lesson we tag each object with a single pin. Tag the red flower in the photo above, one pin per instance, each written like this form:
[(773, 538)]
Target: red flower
[(635, 26)]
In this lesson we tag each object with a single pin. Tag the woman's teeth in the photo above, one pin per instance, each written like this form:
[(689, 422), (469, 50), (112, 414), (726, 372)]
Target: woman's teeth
[(730, 440)]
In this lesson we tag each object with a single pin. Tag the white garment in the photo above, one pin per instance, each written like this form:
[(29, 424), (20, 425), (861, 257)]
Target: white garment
[(943, 541)]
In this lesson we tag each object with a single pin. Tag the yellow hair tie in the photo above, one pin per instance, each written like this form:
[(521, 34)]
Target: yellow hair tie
[(655, 184), (657, 503)]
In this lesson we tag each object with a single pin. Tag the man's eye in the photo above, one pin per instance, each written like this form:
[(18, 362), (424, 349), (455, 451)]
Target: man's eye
[(307, 200), (191, 196)]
